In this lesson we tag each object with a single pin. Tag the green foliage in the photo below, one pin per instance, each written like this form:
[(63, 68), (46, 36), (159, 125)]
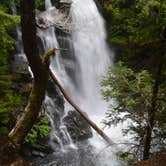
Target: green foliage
[(132, 91), (9, 99), (6, 5), (125, 157), (8, 103), (136, 29), (40, 130), (40, 5), (136, 32), (130, 95), (6, 41)]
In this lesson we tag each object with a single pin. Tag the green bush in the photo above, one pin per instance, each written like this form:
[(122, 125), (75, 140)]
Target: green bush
[(40, 130), (129, 94), (125, 157), (8, 104)]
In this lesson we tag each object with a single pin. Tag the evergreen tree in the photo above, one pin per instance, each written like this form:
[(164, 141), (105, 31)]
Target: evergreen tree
[(130, 94), (137, 32)]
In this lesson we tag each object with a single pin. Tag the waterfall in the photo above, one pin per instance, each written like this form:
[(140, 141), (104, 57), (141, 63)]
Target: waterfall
[(87, 60), (20, 60), (59, 133), (94, 58), (48, 4), (92, 53), (91, 61)]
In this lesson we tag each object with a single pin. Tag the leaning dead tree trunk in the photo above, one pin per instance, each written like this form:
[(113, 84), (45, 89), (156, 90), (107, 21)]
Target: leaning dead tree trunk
[(39, 68), (69, 99)]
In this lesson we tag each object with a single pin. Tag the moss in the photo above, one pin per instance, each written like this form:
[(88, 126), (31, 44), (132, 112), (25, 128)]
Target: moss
[(9, 101), (40, 130), (125, 157)]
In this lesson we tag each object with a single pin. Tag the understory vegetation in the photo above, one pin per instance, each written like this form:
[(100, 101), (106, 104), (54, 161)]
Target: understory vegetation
[(40, 130), (130, 94), (9, 99)]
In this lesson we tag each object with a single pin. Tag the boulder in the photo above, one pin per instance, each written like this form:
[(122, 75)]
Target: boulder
[(77, 127)]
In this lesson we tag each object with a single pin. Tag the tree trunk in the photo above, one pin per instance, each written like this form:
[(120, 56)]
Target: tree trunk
[(40, 72), (152, 111)]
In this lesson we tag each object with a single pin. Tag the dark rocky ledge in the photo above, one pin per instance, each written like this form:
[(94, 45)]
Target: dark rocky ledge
[(9, 155)]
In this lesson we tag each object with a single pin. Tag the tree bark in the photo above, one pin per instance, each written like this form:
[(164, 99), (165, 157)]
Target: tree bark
[(69, 99), (40, 72), (153, 110)]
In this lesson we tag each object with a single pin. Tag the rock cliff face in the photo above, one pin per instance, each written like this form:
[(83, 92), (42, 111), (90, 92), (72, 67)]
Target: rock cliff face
[(77, 127)]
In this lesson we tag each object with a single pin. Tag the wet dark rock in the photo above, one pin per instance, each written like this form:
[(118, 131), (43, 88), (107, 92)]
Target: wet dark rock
[(77, 127), (57, 107), (82, 156), (38, 154), (22, 80), (19, 65), (41, 149), (62, 4), (22, 83), (54, 93)]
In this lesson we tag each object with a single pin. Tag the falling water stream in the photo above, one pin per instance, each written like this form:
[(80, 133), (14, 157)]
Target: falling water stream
[(90, 61), (93, 58)]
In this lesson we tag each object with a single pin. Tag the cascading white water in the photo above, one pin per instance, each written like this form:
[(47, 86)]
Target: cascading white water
[(19, 57), (54, 134), (48, 4), (49, 41), (19, 46), (50, 107), (94, 57)]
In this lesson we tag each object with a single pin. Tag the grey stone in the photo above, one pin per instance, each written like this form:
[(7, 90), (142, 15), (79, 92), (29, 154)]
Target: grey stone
[(77, 127)]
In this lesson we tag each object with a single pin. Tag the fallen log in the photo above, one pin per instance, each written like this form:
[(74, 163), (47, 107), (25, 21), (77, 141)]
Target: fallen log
[(46, 58), (76, 107)]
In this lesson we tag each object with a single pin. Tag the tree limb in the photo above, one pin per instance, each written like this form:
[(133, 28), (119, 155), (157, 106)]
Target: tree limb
[(76, 107)]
